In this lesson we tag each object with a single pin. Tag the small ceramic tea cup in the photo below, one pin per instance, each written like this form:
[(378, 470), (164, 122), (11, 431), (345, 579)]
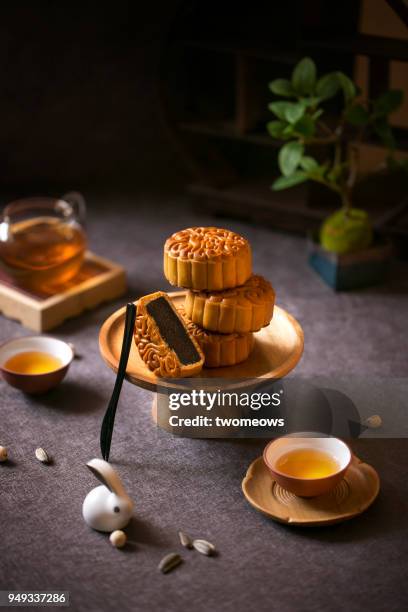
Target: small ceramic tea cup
[(36, 383), (335, 448)]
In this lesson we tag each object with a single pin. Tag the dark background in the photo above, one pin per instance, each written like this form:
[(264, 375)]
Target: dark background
[(85, 86), (79, 96)]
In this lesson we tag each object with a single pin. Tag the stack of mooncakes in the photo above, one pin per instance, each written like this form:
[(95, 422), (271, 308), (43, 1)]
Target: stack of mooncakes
[(225, 303)]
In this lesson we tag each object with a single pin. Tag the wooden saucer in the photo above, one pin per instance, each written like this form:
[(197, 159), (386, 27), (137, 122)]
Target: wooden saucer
[(351, 497), (278, 348)]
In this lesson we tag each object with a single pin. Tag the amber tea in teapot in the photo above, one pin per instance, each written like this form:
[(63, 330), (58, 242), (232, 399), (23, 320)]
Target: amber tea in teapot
[(42, 242)]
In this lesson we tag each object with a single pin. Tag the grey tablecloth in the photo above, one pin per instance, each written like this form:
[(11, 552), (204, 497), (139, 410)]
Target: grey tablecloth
[(195, 485)]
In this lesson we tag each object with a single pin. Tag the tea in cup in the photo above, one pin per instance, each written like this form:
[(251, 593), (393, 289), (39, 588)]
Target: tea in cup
[(307, 465), (35, 364)]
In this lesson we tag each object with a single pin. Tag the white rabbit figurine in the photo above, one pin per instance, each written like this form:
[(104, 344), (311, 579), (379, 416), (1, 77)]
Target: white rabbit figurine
[(107, 507)]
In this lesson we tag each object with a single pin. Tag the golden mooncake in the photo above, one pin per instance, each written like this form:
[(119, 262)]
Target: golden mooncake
[(163, 340), (221, 349), (242, 309), (207, 258)]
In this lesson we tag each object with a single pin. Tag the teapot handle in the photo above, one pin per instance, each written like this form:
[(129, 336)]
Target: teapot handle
[(78, 204)]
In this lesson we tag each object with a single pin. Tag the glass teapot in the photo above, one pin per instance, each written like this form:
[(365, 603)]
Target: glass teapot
[(42, 241)]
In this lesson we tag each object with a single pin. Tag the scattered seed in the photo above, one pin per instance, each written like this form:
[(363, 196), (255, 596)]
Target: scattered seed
[(169, 562), (118, 538), (374, 421), (185, 540), (42, 455), (204, 547), (3, 454)]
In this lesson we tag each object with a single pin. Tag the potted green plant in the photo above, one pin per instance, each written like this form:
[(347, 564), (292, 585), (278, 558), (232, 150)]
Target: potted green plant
[(345, 254)]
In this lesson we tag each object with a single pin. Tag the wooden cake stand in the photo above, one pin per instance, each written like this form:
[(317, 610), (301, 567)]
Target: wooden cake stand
[(278, 348)]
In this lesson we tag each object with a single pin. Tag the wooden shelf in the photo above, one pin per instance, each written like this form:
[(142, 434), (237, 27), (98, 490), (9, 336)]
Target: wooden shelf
[(288, 210), (254, 200), (228, 131), (363, 44), (249, 49), (401, 137)]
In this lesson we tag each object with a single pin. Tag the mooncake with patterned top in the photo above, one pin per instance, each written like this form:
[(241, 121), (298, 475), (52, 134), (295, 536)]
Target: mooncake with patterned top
[(207, 258)]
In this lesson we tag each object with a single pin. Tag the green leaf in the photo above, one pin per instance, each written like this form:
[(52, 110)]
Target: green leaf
[(347, 85), (278, 109), (290, 156), (276, 128), (288, 131), (328, 85), (294, 112), (287, 111), (310, 101), (304, 76), (305, 126), (308, 163), (384, 132), (357, 115), (281, 87), (388, 102), (283, 182)]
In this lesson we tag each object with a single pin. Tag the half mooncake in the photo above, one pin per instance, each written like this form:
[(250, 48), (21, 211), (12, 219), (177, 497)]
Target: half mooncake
[(207, 258), (221, 349), (164, 343), (243, 309)]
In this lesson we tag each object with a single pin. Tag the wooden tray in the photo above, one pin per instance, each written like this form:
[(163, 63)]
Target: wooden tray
[(99, 280), (351, 497), (277, 350)]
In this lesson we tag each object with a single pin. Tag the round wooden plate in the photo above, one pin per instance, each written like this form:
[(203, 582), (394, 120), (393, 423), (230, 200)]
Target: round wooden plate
[(351, 497), (278, 348)]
